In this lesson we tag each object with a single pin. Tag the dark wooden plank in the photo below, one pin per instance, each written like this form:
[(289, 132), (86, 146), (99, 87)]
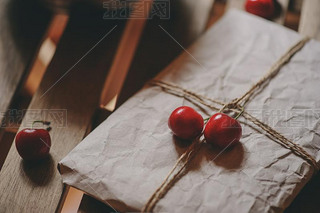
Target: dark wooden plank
[(310, 19), (5, 145), (85, 50), (307, 200), (188, 20), (284, 8), (89, 204), (124, 55), (296, 5), (22, 25)]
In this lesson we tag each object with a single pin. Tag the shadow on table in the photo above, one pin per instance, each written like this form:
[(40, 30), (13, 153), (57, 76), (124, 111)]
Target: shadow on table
[(39, 173), (307, 200)]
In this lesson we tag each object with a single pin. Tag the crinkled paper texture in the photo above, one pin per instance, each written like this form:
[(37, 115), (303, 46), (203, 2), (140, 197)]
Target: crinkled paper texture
[(127, 157)]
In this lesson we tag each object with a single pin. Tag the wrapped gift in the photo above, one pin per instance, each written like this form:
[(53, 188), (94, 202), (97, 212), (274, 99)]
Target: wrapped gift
[(124, 160)]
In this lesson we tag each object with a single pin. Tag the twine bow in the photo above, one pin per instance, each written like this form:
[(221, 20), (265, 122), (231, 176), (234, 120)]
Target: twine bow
[(237, 105)]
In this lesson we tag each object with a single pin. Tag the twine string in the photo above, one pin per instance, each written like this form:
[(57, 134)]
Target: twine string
[(234, 106), (279, 138), (183, 161)]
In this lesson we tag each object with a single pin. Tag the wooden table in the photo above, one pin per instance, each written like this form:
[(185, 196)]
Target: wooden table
[(87, 50)]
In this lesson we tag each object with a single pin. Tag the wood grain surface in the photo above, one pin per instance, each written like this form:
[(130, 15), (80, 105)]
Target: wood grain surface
[(68, 96), (124, 55), (163, 40), (310, 19), (21, 32)]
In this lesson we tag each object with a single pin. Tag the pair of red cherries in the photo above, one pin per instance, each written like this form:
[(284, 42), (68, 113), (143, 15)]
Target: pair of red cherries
[(220, 130)]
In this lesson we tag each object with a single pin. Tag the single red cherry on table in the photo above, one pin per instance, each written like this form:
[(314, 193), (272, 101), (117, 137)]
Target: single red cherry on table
[(222, 130), (186, 123), (262, 8), (33, 144)]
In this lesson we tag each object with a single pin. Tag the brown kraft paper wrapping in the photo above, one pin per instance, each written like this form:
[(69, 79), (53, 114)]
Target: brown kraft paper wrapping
[(124, 160)]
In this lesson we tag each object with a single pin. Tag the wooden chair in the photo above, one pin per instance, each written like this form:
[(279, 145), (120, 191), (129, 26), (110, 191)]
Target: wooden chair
[(93, 56)]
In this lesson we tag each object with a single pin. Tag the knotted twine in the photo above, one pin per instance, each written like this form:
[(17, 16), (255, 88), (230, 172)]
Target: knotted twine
[(237, 106)]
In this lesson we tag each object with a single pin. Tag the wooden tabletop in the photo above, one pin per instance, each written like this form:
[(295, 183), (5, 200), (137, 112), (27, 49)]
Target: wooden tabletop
[(67, 96)]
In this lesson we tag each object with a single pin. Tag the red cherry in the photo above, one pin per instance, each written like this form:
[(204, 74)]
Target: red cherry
[(33, 144), (222, 130), (262, 8), (186, 123)]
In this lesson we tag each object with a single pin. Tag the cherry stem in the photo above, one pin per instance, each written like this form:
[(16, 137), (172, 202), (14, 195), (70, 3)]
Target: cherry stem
[(223, 107), (43, 122), (206, 120), (240, 113)]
